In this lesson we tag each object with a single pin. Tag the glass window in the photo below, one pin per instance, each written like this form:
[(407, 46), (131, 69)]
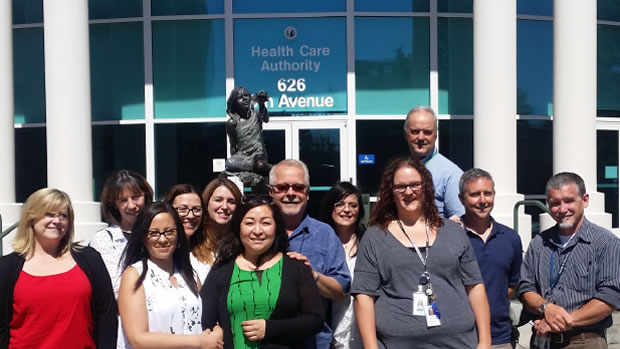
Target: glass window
[(455, 6), (184, 153), (186, 7), (385, 139), (608, 71), (456, 142), (534, 67), (27, 11), (607, 170), (287, 6), (319, 149), (534, 137), (100, 9), (117, 71), (189, 69), (391, 64), (391, 6), (535, 7), (30, 161), (29, 75), (300, 62), (116, 147), (456, 66), (608, 10)]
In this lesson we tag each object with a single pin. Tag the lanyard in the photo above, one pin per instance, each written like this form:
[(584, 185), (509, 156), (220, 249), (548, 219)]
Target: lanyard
[(553, 281), (417, 250)]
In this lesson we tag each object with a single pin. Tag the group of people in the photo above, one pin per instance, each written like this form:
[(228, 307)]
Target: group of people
[(220, 269)]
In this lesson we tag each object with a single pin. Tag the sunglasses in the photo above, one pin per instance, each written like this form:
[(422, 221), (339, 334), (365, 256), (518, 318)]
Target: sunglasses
[(283, 188)]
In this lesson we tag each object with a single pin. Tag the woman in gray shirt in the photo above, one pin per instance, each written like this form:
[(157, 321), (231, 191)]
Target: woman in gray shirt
[(417, 282)]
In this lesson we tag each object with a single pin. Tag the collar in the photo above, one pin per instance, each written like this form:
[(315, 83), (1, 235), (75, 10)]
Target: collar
[(584, 233), (303, 227), (428, 157), (494, 229)]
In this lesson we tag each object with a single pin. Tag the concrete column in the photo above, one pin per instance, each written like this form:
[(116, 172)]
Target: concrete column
[(8, 208), (67, 89), (495, 106), (574, 99)]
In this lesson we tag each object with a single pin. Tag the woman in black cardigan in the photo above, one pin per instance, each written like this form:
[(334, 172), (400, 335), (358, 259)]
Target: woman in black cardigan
[(253, 254)]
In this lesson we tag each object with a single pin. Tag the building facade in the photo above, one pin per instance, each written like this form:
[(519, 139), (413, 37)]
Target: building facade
[(522, 88)]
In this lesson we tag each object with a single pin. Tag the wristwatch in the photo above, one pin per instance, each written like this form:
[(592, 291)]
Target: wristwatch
[(541, 308)]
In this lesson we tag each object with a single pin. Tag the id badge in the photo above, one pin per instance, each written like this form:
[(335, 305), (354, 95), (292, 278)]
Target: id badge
[(420, 303), (432, 320)]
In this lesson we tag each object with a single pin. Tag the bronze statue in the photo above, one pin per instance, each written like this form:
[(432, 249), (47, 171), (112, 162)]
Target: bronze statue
[(244, 128)]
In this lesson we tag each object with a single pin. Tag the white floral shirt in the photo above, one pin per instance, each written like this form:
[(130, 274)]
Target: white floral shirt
[(110, 243)]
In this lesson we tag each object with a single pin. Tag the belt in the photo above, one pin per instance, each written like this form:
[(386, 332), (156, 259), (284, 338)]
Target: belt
[(569, 336)]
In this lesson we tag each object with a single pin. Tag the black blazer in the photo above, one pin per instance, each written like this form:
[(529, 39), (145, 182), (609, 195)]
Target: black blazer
[(299, 311), (103, 304)]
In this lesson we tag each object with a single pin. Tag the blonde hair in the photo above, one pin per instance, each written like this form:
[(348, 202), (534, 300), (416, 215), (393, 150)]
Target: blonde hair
[(40, 203)]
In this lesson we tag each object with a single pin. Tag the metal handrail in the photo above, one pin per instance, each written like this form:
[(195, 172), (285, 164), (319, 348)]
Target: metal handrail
[(5, 233), (515, 210)]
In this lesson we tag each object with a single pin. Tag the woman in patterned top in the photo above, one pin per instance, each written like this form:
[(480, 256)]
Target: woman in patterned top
[(124, 194), (259, 296), (158, 298)]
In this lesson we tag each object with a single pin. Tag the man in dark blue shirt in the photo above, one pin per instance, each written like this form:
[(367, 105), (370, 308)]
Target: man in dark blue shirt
[(498, 250)]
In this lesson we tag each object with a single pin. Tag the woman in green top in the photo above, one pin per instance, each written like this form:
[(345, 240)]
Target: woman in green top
[(260, 297)]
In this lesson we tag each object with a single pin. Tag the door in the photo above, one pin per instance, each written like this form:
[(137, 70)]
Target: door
[(319, 144)]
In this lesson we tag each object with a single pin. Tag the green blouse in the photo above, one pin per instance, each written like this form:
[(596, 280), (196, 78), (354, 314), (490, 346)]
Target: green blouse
[(251, 298)]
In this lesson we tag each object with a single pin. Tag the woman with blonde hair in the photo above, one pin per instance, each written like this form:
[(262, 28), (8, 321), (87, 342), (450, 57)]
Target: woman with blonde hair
[(221, 197), (57, 294)]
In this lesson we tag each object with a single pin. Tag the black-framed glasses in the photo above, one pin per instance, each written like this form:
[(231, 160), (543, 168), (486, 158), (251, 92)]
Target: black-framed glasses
[(401, 188), (263, 199), (156, 234), (340, 205), (184, 211), (284, 187)]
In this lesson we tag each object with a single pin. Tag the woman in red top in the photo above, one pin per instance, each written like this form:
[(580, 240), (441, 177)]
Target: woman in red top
[(57, 294)]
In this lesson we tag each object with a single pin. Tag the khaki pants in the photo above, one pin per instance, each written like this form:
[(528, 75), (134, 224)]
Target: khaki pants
[(503, 346), (590, 343)]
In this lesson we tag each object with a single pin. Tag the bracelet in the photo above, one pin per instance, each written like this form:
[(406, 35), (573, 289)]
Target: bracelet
[(317, 276)]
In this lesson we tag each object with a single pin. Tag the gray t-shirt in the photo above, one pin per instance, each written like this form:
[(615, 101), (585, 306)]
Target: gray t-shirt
[(390, 272)]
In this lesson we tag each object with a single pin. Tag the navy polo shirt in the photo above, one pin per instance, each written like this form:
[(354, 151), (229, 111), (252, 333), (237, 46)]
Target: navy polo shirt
[(499, 260)]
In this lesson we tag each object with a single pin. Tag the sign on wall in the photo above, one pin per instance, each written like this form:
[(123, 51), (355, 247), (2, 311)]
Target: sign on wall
[(300, 62)]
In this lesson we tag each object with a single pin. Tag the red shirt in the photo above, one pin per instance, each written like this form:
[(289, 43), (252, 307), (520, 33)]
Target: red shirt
[(52, 311)]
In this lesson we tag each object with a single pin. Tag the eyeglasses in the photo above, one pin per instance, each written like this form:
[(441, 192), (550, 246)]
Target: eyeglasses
[(283, 188), (401, 188), (340, 205), (156, 234), (263, 199), (184, 211)]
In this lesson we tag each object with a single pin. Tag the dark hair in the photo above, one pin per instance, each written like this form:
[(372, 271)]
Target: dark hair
[(566, 178), (207, 244), (231, 245), (338, 192), (180, 189), (136, 251), (384, 211), (113, 188), (234, 94)]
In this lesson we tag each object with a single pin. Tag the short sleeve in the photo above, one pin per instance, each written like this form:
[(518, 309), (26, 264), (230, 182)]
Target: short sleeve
[(468, 269), (515, 268), (336, 262), (452, 205), (367, 278), (608, 275), (527, 278)]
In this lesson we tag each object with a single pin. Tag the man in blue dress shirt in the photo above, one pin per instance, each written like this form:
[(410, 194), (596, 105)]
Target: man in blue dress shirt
[(421, 134), (498, 251)]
